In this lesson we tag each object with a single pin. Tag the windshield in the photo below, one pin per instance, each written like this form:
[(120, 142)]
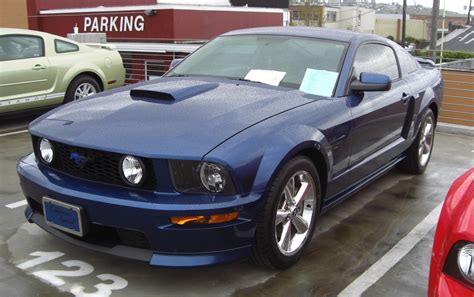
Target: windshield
[(311, 65)]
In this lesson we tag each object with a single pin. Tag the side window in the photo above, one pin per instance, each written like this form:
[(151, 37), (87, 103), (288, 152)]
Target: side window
[(64, 46), (378, 58), (407, 63), (14, 47)]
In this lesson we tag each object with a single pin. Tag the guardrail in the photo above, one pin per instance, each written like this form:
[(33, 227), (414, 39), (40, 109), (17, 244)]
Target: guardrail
[(146, 66)]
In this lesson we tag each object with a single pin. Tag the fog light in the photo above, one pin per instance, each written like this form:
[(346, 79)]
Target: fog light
[(132, 170), (212, 219), (46, 151)]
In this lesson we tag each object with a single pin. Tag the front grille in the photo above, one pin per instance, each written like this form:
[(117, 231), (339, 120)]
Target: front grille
[(95, 165)]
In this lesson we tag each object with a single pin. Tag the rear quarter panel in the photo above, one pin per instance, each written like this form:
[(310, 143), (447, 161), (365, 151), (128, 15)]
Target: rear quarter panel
[(106, 64)]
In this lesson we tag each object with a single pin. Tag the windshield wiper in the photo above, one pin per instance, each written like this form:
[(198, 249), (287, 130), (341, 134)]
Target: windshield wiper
[(178, 75), (244, 79)]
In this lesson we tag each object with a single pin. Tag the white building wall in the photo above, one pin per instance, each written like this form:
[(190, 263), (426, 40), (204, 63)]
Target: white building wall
[(347, 19)]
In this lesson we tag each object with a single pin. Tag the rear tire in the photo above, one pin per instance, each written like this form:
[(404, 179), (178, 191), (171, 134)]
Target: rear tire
[(284, 210), (81, 87), (419, 153)]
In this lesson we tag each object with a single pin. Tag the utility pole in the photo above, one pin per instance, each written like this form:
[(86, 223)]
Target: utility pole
[(434, 28), (468, 22), (404, 22)]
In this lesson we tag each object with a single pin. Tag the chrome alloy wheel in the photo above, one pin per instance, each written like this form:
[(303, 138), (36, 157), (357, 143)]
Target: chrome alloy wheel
[(295, 212), (84, 90), (426, 141)]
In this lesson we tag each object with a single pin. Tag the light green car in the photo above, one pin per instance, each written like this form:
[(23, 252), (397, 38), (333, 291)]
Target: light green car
[(40, 70)]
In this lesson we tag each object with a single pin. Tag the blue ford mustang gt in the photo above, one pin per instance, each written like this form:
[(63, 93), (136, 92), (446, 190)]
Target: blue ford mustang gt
[(236, 151)]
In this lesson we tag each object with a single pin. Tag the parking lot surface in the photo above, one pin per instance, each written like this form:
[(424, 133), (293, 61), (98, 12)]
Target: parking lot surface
[(350, 239)]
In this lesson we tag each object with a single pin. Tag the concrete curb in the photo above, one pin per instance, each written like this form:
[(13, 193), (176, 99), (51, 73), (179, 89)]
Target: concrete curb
[(455, 129)]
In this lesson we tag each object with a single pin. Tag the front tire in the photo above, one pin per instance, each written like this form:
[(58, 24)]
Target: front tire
[(419, 153), (287, 220), (81, 87)]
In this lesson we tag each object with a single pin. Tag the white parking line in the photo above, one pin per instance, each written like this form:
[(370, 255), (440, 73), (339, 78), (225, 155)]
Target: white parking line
[(392, 257), (17, 204), (13, 133)]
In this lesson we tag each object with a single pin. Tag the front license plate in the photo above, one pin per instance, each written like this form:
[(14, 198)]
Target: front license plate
[(63, 216)]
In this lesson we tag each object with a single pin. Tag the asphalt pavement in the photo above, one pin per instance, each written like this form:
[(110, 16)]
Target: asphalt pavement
[(351, 238)]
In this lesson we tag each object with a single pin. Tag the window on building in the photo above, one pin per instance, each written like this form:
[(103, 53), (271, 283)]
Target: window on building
[(62, 46), (295, 15), (331, 16), (14, 47), (377, 58)]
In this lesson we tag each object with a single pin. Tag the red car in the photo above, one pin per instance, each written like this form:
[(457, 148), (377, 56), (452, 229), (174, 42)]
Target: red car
[(452, 260)]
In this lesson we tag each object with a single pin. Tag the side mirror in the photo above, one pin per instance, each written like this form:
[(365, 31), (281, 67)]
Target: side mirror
[(175, 62), (370, 82)]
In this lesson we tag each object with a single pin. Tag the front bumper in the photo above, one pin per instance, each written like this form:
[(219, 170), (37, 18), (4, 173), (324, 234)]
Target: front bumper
[(136, 224), (447, 286)]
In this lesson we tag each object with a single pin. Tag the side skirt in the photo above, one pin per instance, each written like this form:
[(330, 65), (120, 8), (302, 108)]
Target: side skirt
[(336, 199)]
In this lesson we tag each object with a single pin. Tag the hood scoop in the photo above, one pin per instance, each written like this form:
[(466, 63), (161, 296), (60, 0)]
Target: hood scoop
[(170, 94)]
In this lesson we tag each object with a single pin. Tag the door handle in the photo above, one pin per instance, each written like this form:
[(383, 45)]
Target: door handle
[(39, 67), (406, 97)]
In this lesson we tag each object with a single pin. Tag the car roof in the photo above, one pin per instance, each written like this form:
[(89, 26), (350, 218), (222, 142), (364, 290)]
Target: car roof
[(20, 31), (8, 31), (311, 32)]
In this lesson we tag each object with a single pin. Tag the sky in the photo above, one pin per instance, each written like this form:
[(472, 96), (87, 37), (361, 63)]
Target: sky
[(453, 5)]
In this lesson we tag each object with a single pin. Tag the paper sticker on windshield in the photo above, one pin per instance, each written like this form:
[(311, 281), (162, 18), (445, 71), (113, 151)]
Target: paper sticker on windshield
[(318, 82), (271, 77)]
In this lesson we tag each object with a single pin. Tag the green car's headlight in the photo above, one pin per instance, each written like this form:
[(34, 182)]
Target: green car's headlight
[(200, 177)]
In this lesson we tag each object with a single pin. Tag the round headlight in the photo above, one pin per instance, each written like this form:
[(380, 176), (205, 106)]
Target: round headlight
[(132, 170), (466, 261), (46, 150), (212, 177)]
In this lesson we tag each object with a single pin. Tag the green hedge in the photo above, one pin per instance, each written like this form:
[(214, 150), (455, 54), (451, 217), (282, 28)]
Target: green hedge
[(447, 55)]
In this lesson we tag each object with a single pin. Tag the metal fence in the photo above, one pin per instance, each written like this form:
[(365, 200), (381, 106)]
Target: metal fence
[(151, 58), (146, 66)]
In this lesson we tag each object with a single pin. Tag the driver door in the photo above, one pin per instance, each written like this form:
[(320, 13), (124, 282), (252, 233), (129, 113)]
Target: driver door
[(25, 71), (377, 117)]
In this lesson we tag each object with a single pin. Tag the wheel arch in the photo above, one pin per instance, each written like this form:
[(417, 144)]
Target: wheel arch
[(91, 74), (316, 152), (434, 107), (319, 162)]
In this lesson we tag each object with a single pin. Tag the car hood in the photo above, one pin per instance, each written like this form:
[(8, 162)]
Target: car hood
[(168, 117)]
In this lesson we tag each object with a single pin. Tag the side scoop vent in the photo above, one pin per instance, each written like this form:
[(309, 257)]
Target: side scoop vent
[(170, 94)]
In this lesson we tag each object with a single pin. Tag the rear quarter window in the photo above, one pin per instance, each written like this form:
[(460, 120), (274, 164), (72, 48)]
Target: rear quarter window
[(408, 64), (62, 46)]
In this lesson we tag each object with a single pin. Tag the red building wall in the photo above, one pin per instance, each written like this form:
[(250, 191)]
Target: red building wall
[(159, 26), (193, 24), (165, 24), (61, 4)]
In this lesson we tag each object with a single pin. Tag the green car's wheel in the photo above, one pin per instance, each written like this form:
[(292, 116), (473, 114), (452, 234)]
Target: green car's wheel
[(81, 87), (286, 222)]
